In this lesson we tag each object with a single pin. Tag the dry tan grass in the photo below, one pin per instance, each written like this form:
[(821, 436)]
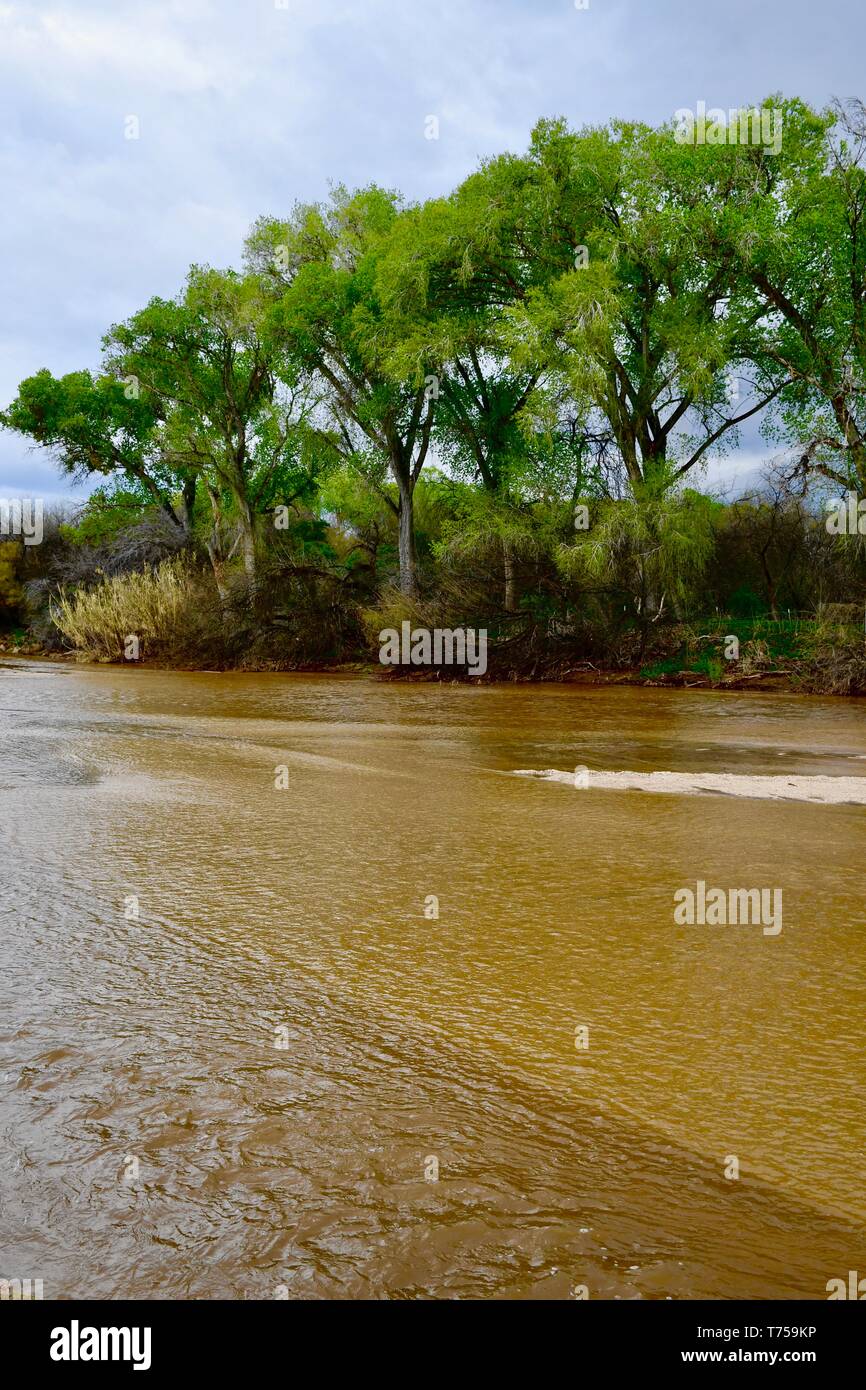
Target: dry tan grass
[(153, 605)]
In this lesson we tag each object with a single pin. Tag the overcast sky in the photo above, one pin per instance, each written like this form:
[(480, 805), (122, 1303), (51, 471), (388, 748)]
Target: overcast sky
[(244, 106)]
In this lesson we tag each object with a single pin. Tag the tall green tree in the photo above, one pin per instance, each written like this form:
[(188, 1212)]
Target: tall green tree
[(647, 328), (451, 268), (331, 322), (208, 366), (103, 426), (190, 399), (798, 235)]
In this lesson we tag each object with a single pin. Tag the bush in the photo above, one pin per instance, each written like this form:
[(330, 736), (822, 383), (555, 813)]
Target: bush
[(167, 608), (11, 592), (296, 616), (834, 661)]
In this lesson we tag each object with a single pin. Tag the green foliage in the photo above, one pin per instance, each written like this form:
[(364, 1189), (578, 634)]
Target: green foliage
[(422, 395), (653, 550), (109, 512)]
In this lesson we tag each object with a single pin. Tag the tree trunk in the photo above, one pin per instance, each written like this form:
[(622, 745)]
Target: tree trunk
[(215, 550), (249, 548), (248, 536), (217, 565), (771, 587), (186, 510), (510, 586), (408, 581)]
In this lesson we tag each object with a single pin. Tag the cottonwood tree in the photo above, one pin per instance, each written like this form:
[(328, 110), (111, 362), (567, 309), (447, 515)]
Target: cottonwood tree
[(651, 330), (799, 235), (330, 320), (451, 267), (210, 368), (101, 425), (189, 400)]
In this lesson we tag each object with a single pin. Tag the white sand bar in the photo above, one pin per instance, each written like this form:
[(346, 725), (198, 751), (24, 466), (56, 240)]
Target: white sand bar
[(831, 791)]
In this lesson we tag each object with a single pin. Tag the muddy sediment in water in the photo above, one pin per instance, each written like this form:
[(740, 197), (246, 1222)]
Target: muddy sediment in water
[(302, 987)]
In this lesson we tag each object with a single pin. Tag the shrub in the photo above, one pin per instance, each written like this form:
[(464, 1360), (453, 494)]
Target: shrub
[(167, 608), (296, 616), (834, 662), (11, 592)]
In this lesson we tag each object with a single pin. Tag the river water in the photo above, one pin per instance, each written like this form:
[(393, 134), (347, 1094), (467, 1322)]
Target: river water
[(293, 974)]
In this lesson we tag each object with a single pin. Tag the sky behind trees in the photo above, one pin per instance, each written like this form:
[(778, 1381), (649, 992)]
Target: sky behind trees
[(244, 106)]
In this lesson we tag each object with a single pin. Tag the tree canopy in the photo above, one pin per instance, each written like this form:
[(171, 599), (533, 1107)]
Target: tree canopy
[(590, 319)]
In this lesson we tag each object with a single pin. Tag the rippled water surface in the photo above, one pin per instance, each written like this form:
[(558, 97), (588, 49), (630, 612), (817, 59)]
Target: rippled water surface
[(242, 1090)]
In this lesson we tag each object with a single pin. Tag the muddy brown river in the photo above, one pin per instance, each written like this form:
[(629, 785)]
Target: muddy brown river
[(304, 993)]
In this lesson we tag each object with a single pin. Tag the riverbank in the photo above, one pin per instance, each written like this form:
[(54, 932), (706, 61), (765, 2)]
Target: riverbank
[(846, 677), (304, 618)]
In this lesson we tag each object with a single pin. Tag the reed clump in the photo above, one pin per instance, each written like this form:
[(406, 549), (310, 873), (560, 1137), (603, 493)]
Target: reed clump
[(163, 607)]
